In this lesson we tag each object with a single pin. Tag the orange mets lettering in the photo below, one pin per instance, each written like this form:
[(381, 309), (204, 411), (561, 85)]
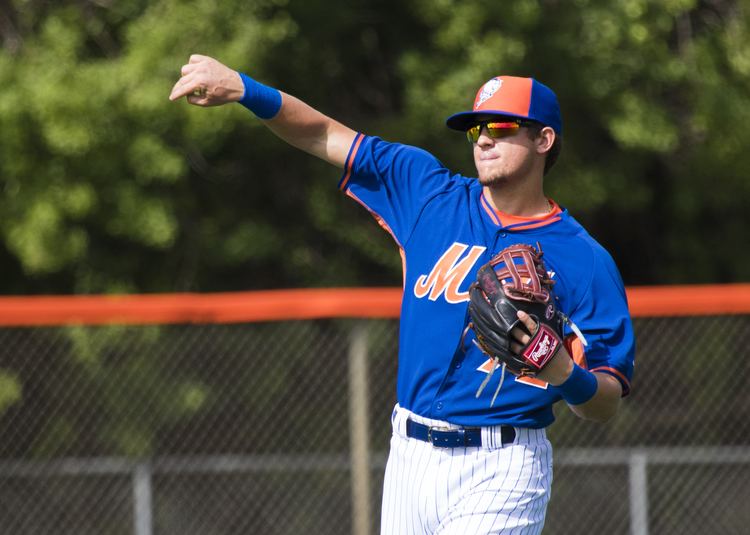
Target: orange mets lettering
[(448, 274)]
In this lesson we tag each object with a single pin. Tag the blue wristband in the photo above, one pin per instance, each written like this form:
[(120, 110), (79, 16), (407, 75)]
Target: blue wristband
[(579, 387), (263, 101)]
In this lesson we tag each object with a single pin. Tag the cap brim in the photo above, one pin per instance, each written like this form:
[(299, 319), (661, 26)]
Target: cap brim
[(466, 119)]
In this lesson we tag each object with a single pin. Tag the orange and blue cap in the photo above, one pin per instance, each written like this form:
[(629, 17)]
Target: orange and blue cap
[(513, 97)]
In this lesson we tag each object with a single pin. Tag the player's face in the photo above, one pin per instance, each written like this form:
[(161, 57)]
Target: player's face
[(502, 153)]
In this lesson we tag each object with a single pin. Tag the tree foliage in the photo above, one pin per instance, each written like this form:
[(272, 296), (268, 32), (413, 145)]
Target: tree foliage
[(109, 187)]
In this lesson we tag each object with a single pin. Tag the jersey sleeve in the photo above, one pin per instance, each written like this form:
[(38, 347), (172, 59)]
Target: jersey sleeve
[(603, 317), (393, 181)]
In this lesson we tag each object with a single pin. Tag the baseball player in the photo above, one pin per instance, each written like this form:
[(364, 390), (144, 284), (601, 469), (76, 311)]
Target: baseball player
[(460, 461)]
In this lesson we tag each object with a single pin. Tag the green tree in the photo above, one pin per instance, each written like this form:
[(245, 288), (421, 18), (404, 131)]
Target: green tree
[(109, 187)]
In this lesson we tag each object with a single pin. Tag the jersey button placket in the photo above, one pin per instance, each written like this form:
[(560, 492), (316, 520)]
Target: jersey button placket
[(500, 236)]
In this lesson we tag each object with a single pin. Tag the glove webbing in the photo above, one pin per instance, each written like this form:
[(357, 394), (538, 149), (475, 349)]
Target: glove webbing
[(533, 290)]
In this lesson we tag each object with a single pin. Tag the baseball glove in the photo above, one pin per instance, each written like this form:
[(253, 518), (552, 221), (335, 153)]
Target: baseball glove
[(515, 279)]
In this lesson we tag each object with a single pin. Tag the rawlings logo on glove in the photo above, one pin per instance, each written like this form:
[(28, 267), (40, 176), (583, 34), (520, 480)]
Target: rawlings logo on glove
[(542, 347), (515, 279)]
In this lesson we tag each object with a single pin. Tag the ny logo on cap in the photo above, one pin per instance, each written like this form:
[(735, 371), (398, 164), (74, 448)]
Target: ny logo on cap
[(489, 89)]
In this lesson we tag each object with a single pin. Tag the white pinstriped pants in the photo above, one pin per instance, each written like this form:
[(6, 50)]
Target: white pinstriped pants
[(459, 491)]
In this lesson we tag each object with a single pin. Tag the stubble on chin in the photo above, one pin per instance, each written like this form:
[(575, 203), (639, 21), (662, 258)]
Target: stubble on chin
[(489, 172), (493, 179)]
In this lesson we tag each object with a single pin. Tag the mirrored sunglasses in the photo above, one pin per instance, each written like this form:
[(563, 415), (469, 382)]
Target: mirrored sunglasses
[(495, 130)]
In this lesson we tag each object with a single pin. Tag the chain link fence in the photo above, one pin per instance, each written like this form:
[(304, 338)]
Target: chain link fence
[(250, 428)]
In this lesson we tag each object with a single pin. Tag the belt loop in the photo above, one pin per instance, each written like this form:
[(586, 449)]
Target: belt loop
[(400, 421), (488, 438), (498, 436)]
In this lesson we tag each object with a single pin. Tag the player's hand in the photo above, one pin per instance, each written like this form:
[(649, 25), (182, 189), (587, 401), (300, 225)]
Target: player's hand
[(519, 336), (207, 82), (558, 369)]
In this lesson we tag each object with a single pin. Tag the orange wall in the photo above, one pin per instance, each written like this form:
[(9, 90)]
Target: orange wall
[(275, 305)]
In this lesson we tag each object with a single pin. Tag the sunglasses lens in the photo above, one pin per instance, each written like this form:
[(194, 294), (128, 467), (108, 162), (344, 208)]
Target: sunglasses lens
[(497, 130), (473, 133), (494, 130)]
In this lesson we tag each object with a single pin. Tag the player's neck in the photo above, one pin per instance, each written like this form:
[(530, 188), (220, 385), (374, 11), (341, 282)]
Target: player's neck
[(519, 200)]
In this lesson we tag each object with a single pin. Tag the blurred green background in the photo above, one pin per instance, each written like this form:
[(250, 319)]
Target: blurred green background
[(107, 186)]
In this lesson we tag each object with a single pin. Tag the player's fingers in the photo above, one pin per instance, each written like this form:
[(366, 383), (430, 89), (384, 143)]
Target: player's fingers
[(180, 89), (196, 58), (527, 321), (184, 86), (520, 336), (197, 99), (521, 333), (187, 69), (174, 94)]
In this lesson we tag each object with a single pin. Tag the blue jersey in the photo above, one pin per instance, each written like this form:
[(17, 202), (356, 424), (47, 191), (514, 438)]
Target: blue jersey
[(446, 229)]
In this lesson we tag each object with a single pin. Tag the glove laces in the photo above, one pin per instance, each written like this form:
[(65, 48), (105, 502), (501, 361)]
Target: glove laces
[(487, 380)]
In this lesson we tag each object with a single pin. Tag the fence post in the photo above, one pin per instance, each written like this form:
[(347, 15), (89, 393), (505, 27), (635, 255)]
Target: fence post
[(638, 479), (142, 499), (359, 440)]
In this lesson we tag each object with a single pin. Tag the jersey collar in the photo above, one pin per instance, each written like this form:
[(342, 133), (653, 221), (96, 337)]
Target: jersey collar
[(514, 222)]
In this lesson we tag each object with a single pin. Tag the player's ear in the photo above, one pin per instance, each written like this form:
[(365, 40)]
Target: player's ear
[(545, 140)]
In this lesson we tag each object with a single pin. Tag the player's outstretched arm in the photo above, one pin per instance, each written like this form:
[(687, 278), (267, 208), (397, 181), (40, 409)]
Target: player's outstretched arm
[(206, 82)]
